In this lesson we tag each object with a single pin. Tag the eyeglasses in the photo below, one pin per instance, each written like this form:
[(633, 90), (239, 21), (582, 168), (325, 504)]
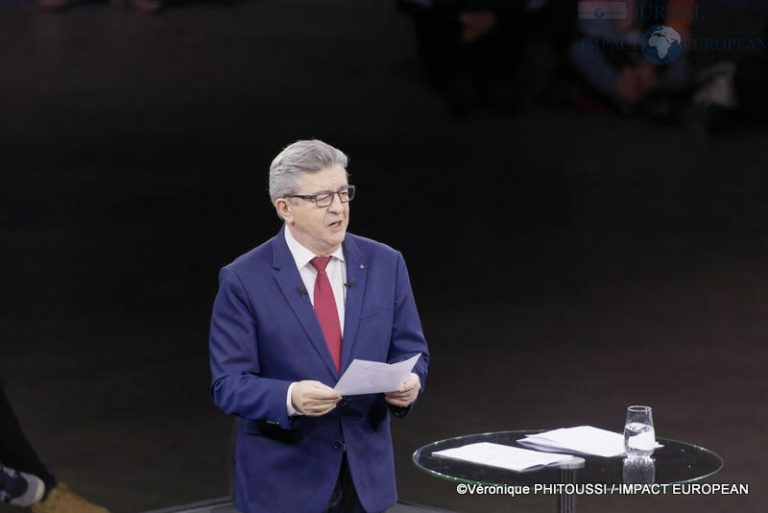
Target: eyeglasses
[(325, 198)]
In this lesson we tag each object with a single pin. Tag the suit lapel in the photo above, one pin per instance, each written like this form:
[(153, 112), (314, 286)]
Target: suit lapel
[(356, 275), (289, 280)]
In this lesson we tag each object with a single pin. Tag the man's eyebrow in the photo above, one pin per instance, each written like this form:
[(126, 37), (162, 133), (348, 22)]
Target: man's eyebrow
[(331, 190)]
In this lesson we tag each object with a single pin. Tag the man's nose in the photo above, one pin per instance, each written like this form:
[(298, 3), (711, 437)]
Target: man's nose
[(336, 204)]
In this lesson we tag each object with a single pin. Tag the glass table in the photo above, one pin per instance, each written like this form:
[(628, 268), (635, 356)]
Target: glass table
[(677, 462)]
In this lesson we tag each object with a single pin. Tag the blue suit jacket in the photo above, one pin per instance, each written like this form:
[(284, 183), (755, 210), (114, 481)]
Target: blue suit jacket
[(265, 335)]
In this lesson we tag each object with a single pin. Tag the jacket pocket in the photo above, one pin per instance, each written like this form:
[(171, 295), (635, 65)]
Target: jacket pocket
[(270, 430)]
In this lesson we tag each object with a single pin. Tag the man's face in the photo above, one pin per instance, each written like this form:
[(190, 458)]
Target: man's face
[(321, 230)]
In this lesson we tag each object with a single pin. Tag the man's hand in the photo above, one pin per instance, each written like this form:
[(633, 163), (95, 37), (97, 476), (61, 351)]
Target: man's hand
[(408, 392), (313, 398)]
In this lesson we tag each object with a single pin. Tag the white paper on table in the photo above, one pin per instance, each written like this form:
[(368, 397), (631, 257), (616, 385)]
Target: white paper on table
[(502, 456), (367, 377), (580, 439)]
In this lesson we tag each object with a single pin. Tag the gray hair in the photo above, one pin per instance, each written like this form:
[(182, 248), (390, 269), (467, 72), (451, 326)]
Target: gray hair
[(308, 156)]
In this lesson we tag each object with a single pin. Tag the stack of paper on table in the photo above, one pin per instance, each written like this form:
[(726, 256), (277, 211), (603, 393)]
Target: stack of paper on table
[(580, 440), (502, 456)]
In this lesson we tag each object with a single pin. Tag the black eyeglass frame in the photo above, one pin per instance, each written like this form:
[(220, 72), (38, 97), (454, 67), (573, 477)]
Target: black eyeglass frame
[(324, 199)]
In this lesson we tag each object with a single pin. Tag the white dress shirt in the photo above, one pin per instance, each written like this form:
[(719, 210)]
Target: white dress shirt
[(336, 271), (337, 275)]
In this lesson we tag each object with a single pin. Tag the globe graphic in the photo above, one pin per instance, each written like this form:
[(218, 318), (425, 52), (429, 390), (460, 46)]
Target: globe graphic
[(599, 13), (662, 45)]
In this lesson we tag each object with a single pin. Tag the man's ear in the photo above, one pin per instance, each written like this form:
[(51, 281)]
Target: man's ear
[(283, 208)]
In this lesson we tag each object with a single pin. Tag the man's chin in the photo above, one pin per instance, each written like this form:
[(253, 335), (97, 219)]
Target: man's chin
[(335, 239), (337, 231)]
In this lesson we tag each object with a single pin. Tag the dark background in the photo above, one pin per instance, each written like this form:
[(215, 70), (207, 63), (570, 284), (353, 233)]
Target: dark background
[(566, 263)]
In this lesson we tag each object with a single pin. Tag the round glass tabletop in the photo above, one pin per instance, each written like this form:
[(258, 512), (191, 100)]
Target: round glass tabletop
[(676, 462)]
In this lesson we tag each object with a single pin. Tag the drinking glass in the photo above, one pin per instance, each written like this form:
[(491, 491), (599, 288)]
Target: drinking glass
[(639, 470), (639, 436)]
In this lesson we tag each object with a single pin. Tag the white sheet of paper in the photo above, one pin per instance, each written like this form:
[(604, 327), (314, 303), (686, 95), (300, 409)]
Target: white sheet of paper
[(367, 377), (580, 439), (502, 456)]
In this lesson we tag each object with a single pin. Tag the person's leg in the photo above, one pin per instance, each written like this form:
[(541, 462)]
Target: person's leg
[(15, 450), (344, 498), (17, 453), (438, 44)]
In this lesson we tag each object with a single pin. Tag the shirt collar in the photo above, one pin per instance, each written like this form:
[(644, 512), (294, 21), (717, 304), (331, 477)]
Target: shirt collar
[(302, 255)]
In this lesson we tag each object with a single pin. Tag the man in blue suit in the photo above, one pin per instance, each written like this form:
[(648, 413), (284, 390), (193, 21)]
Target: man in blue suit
[(289, 317)]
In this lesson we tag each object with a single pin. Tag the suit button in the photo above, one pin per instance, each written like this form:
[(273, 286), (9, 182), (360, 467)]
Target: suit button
[(338, 444)]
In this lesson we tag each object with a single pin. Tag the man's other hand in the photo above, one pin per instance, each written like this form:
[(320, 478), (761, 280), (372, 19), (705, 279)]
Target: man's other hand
[(313, 398), (407, 393)]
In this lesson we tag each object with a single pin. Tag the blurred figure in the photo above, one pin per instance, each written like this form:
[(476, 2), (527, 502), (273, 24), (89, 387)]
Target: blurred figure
[(26, 481), (471, 50), (733, 93), (145, 6), (626, 78)]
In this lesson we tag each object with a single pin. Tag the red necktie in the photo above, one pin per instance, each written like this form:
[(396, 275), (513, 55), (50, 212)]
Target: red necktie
[(325, 309)]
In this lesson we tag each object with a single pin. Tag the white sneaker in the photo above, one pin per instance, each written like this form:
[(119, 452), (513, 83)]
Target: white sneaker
[(20, 488)]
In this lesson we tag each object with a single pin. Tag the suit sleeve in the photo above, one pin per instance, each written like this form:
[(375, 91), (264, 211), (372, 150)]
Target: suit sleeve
[(236, 386), (407, 334)]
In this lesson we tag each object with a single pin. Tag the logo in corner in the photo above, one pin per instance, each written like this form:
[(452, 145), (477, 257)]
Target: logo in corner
[(662, 45)]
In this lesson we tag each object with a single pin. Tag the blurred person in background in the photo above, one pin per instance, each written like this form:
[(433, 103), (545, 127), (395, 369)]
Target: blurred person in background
[(626, 78), (471, 51), (732, 92), (24, 480)]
